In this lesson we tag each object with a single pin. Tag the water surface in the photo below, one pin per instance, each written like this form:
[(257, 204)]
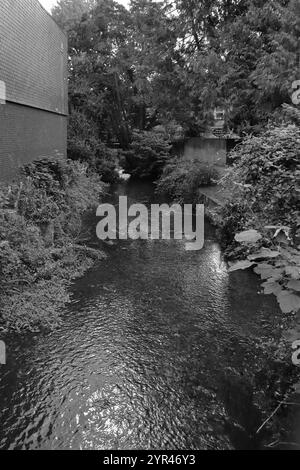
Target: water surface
[(141, 358)]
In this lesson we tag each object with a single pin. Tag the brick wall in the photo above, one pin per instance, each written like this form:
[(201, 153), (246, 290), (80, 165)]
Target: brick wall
[(33, 67)]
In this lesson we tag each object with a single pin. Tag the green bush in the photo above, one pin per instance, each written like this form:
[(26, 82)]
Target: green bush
[(40, 220), (85, 146), (147, 154), (264, 183), (181, 179), (105, 163)]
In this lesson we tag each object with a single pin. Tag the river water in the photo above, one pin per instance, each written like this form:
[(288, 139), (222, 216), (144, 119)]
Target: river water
[(143, 356)]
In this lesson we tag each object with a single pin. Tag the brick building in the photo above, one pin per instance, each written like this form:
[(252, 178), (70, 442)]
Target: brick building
[(33, 85)]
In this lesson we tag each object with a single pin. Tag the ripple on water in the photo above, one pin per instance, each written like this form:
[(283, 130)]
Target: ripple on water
[(139, 358)]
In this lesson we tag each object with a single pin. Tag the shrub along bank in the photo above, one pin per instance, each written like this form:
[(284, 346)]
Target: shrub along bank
[(260, 222), (181, 179), (146, 155), (85, 146), (40, 224)]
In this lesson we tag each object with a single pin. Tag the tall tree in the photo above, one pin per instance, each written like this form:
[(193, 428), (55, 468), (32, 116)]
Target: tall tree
[(176, 60)]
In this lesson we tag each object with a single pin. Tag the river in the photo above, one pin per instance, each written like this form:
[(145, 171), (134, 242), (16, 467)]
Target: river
[(143, 355)]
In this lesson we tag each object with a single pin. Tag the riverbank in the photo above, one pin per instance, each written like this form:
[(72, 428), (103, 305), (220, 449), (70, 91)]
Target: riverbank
[(158, 349), (253, 373), (274, 382), (40, 241), (276, 387), (254, 208)]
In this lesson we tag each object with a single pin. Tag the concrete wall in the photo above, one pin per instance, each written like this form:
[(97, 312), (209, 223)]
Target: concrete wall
[(206, 150), (27, 134), (33, 91)]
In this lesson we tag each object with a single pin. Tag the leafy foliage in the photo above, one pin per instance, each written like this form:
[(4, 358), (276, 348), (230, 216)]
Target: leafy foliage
[(265, 178), (85, 146), (147, 154), (40, 220), (177, 60), (280, 269), (181, 179), (260, 220)]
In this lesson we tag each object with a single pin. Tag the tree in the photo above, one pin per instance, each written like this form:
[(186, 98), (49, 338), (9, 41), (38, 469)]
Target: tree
[(176, 60)]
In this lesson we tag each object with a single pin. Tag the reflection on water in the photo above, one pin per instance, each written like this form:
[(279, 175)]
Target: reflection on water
[(139, 360)]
